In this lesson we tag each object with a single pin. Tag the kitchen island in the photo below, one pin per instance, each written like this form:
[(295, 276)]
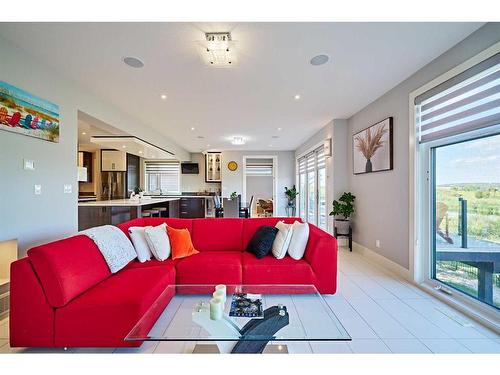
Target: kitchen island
[(116, 211)]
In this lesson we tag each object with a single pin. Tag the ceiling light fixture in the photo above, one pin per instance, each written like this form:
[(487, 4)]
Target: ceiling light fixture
[(133, 62), (124, 146), (192, 128), (218, 50), (280, 129), (83, 133), (297, 97), (319, 60), (140, 152), (163, 96), (238, 141)]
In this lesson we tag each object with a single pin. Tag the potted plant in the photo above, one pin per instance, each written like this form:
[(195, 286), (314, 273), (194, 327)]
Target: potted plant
[(291, 195), (343, 207), (138, 191), (233, 195)]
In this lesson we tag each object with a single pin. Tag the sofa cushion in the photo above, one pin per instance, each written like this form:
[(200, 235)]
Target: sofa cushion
[(105, 314), (270, 270), (250, 226), (217, 234), (210, 267), (262, 241), (68, 267), (155, 221)]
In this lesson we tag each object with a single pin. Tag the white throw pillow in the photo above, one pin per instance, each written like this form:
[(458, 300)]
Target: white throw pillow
[(158, 241), (298, 243), (282, 240), (141, 246)]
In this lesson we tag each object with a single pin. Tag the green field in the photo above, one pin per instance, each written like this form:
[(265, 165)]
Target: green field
[(483, 207)]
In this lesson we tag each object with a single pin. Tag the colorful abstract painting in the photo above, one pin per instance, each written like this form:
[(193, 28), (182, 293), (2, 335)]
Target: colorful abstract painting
[(23, 113)]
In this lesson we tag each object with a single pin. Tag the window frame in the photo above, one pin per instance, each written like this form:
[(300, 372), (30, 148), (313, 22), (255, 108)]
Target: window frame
[(419, 196), (179, 182), (315, 151)]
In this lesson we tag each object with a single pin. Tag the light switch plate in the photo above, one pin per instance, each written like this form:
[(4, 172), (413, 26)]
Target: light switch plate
[(29, 165), (38, 189), (68, 189)]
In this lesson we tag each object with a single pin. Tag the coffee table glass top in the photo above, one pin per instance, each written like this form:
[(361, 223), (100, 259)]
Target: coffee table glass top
[(300, 314)]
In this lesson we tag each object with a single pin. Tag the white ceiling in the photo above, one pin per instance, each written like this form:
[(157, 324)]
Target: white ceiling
[(251, 99)]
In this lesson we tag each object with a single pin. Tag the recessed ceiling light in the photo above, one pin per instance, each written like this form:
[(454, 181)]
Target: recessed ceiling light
[(124, 146), (192, 128), (280, 129), (238, 141), (140, 152), (83, 133), (163, 96), (133, 62), (319, 60), (297, 97)]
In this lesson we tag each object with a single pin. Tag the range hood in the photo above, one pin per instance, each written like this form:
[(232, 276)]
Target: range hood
[(132, 145)]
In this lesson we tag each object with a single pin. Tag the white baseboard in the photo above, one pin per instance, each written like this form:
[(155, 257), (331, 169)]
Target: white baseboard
[(382, 261)]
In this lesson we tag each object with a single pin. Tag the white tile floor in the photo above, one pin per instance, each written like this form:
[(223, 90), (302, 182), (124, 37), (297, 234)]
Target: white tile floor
[(382, 313)]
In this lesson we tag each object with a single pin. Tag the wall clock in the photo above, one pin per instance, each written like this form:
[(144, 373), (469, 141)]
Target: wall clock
[(232, 166)]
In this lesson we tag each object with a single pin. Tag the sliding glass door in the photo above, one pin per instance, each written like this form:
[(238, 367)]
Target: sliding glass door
[(311, 177), (465, 187)]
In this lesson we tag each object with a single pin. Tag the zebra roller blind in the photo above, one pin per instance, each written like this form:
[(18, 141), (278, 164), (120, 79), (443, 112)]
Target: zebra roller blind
[(164, 175), (466, 102)]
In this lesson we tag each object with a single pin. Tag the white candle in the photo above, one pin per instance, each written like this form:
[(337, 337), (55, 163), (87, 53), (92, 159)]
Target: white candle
[(221, 295), (221, 287), (216, 309)]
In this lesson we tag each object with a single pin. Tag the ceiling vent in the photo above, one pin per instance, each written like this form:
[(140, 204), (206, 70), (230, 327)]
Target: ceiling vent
[(218, 50)]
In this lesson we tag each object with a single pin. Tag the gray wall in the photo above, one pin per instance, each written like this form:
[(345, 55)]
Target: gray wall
[(382, 198), (196, 182), (35, 219)]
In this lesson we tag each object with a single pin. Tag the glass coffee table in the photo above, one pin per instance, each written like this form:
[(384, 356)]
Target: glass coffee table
[(290, 313)]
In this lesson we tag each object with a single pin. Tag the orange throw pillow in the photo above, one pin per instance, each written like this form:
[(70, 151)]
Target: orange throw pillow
[(180, 243)]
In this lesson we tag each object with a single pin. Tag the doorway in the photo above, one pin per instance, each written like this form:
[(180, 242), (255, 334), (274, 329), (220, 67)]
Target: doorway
[(259, 185)]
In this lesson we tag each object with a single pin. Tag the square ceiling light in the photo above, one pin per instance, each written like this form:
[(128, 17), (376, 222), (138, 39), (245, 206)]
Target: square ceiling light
[(218, 50)]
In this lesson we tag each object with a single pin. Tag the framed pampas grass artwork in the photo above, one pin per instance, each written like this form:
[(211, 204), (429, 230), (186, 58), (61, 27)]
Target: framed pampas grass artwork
[(372, 148)]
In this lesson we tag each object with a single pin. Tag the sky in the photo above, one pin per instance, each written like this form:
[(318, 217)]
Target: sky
[(475, 161)]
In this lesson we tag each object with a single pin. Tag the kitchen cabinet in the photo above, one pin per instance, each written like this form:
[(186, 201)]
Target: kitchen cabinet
[(133, 173), (213, 166), (113, 161), (86, 160), (192, 208)]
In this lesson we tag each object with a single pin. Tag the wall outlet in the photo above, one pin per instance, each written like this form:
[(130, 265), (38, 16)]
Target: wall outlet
[(29, 165), (377, 243), (68, 189), (38, 189)]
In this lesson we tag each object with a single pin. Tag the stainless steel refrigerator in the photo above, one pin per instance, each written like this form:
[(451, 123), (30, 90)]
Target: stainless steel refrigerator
[(113, 185)]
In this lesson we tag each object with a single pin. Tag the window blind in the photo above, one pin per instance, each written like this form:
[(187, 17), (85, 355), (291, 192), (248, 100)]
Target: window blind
[(164, 175), (466, 102)]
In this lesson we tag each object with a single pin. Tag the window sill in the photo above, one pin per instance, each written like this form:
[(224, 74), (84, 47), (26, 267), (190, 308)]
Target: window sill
[(476, 310)]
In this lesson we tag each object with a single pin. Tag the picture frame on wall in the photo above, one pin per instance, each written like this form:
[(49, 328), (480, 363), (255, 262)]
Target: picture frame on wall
[(373, 148), (24, 113)]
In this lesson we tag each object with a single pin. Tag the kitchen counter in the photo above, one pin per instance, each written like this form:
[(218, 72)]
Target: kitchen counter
[(116, 211), (127, 202)]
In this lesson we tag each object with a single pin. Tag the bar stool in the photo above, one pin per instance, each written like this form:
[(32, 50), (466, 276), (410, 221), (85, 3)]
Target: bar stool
[(162, 211), (154, 212)]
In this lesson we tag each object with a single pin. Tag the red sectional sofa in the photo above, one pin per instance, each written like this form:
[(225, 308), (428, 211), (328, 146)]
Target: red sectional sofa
[(63, 294)]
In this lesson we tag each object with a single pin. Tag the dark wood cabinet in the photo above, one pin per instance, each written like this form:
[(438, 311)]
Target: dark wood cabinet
[(133, 173), (191, 208)]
